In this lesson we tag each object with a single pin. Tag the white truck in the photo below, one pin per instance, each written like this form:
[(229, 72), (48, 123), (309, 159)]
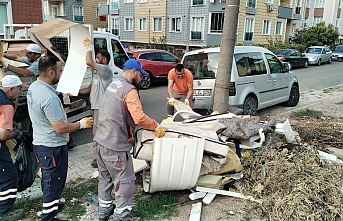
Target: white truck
[(79, 106)]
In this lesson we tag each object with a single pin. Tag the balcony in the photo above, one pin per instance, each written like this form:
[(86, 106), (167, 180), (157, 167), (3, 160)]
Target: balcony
[(284, 12), (195, 35), (78, 18)]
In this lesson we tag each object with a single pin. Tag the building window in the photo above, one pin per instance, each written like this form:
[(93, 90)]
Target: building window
[(278, 28), (197, 28), (5, 14), (128, 24), (114, 4), (337, 22), (198, 2), (128, 1), (77, 13), (320, 4), (142, 1), (175, 25), (251, 3), (266, 27), (142, 24), (157, 24), (217, 22), (269, 1), (115, 26), (249, 29), (317, 20), (339, 3)]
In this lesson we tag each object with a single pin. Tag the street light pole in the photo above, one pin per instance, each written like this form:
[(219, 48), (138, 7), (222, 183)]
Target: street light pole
[(188, 25), (223, 78)]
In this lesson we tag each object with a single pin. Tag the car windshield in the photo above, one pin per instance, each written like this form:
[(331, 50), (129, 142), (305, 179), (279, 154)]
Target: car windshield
[(314, 51), (281, 52), (202, 65)]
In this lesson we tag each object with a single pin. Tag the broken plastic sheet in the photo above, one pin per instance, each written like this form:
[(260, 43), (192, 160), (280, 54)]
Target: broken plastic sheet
[(75, 67)]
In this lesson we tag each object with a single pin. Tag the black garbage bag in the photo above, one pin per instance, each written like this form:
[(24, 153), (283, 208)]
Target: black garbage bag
[(25, 162)]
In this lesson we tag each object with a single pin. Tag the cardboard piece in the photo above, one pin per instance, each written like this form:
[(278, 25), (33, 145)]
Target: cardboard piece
[(75, 67)]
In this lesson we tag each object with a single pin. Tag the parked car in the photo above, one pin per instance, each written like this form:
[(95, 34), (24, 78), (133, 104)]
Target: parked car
[(337, 54), (156, 62), (258, 79), (318, 55), (295, 58)]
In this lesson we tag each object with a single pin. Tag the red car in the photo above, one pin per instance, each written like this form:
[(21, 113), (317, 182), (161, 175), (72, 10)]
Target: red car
[(156, 62)]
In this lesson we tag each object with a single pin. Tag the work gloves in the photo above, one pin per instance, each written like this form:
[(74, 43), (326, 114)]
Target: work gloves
[(171, 101), (86, 122), (160, 131), (18, 133), (186, 101), (88, 44)]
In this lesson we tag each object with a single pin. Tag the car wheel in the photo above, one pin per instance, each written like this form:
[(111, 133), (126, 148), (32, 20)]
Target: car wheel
[(145, 82), (329, 61), (294, 97), (250, 106), (319, 62), (305, 64)]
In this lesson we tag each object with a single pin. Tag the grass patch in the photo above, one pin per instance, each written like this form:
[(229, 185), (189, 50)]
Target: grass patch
[(73, 193), (307, 113), (155, 206), (339, 103), (332, 89)]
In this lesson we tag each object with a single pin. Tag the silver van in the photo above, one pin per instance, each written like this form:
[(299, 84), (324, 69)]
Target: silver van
[(258, 79)]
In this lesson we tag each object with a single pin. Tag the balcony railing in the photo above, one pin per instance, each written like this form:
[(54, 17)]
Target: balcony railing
[(78, 18), (196, 35)]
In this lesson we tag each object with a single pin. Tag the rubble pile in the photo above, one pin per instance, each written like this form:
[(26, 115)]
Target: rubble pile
[(292, 181)]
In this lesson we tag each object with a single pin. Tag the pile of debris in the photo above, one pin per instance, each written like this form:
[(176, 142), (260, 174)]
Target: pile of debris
[(266, 163)]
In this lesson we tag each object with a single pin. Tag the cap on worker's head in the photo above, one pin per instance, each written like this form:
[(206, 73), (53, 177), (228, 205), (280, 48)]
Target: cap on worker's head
[(12, 81), (134, 64), (32, 48)]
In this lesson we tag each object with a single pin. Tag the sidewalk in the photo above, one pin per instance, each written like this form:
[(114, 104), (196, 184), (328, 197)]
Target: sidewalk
[(79, 166)]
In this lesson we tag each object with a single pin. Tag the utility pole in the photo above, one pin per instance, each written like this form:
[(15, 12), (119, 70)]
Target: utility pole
[(188, 25), (222, 83)]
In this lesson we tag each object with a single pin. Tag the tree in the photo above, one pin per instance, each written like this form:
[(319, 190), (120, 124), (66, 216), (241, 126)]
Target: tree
[(320, 35), (298, 36)]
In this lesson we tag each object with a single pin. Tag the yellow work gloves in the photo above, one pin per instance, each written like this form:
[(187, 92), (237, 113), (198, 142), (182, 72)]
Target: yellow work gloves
[(171, 101), (186, 101), (160, 131), (88, 44), (86, 122)]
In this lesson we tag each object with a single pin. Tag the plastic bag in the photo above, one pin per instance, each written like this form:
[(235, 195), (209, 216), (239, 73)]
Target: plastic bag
[(25, 162)]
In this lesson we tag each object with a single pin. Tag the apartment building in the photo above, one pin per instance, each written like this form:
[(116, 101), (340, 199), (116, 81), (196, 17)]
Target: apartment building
[(328, 11), (20, 12), (71, 10), (90, 15)]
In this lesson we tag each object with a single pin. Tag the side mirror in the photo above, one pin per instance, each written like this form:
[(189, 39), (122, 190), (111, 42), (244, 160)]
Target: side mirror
[(286, 67), (116, 72)]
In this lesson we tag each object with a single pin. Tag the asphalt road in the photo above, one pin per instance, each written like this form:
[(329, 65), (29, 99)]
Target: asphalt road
[(154, 99)]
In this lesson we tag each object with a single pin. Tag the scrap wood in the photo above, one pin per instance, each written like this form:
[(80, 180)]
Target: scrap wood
[(226, 193), (209, 198), (294, 183)]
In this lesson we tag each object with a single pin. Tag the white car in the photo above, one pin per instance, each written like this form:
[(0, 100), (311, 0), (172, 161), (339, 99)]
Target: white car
[(258, 79), (318, 55)]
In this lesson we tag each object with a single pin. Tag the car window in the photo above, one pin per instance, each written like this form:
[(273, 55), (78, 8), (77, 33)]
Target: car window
[(202, 65), (338, 49), (167, 57), (297, 53), (314, 51), (100, 44), (275, 64), (119, 56), (250, 64), (150, 56)]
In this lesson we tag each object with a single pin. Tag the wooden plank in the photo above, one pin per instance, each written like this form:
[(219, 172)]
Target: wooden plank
[(195, 212), (209, 198), (226, 193)]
